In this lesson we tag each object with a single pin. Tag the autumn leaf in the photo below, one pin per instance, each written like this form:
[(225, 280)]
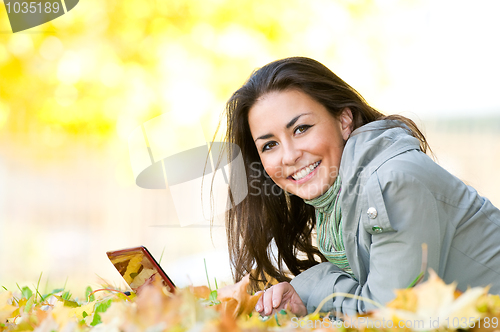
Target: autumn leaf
[(235, 300), (156, 309), (489, 306), (433, 304), (6, 308), (406, 299), (202, 292), (67, 303)]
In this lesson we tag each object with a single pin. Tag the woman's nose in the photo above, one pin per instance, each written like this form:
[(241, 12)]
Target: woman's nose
[(290, 154)]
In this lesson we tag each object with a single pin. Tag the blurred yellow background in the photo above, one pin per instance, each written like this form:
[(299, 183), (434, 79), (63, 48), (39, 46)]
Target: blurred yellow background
[(72, 90)]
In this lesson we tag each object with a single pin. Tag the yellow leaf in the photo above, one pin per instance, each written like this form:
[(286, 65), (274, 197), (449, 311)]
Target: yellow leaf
[(202, 292), (78, 312), (433, 304), (6, 308), (235, 300), (406, 299)]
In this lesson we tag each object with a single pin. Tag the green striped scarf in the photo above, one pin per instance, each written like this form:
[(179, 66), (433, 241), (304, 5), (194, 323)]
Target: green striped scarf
[(329, 226)]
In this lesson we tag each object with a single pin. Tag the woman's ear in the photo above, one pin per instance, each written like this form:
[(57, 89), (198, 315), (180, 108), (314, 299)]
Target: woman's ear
[(346, 122)]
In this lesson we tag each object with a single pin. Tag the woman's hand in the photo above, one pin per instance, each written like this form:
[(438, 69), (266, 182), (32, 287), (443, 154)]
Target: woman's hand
[(279, 297)]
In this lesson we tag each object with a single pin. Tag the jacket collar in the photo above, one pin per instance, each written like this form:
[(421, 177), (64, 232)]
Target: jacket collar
[(369, 146)]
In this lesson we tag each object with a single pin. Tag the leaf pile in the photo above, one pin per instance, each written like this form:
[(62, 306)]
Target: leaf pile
[(439, 307)]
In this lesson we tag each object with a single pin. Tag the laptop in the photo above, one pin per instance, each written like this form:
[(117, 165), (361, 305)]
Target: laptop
[(137, 267)]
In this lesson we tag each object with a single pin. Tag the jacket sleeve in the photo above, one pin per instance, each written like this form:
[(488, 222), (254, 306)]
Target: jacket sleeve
[(406, 217)]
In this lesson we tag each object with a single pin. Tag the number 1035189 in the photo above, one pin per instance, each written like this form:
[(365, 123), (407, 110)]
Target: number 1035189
[(472, 322), (32, 7)]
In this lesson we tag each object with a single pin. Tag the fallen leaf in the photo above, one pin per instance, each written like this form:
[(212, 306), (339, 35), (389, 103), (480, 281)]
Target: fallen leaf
[(406, 299), (201, 292), (6, 308), (235, 300), (435, 306)]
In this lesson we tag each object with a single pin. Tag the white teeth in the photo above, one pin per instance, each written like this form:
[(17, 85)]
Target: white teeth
[(304, 172)]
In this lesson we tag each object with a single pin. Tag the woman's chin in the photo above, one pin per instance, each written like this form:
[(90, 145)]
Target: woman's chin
[(310, 193)]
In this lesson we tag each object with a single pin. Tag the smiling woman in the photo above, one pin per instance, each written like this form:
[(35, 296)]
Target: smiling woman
[(362, 180), (302, 143)]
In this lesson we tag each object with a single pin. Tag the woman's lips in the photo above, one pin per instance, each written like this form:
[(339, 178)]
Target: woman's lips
[(306, 177)]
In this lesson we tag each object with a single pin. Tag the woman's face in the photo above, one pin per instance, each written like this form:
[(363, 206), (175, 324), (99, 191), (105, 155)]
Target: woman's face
[(299, 142)]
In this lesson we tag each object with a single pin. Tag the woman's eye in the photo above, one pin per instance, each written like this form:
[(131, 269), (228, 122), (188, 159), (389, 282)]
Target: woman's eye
[(301, 129), (269, 146)]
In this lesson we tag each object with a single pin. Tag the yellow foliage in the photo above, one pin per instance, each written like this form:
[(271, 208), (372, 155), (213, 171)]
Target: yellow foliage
[(235, 300), (104, 68), (6, 308), (406, 299), (434, 303)]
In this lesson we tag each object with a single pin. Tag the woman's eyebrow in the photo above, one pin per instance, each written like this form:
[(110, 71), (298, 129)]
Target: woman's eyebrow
[(288, 125), (292, 122), (266, 136)]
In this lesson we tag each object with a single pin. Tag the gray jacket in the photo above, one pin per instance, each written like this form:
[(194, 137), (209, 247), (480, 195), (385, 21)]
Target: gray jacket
[(393, 199)]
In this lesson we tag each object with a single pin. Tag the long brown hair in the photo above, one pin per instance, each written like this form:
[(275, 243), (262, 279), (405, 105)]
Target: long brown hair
[(267, 213)]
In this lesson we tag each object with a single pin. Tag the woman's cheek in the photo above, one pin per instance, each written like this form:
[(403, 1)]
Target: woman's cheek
[(272, 168), (278, 172)]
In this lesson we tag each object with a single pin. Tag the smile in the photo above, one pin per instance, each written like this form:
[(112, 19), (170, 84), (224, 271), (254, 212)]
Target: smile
[(305, 171)]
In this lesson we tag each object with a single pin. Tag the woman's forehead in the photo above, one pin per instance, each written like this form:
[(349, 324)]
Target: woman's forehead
[(278, 108)]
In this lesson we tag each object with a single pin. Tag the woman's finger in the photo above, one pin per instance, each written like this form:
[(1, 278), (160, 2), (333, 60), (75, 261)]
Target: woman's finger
[(273, 297), (259, 306), (278, 291), (267, 300), (266, 306)]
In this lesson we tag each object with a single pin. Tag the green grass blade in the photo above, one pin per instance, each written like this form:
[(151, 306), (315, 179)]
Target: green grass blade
[(416, 280), (161, 256), (206, 272), (37, 286), (41, 296)]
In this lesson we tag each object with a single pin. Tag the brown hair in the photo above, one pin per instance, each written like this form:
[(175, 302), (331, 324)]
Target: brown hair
[(270, 214)]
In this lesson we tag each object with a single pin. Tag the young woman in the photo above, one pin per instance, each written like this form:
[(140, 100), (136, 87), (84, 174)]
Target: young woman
[(320, 160)]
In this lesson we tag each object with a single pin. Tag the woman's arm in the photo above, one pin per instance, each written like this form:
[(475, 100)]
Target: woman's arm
[(411, 218)]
